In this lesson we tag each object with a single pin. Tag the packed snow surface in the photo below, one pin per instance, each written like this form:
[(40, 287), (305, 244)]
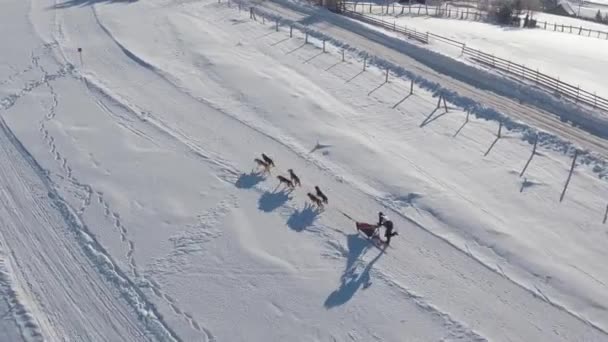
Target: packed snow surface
[(132, 209)]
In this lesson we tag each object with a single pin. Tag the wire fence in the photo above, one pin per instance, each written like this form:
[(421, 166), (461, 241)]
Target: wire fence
[(452, 12), (521, 72)]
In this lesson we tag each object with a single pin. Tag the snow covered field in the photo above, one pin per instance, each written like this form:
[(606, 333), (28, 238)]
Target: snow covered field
[(130, 210), (544, 50)]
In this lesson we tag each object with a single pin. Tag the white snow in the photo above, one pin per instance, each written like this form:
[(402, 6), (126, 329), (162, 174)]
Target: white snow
[(131, 210), (575, 59)]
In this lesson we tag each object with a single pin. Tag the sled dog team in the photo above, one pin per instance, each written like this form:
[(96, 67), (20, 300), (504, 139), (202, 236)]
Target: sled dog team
[(371, 230), (266, 163)]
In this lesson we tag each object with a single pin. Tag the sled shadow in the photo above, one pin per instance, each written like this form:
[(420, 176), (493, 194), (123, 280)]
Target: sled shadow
[(272, 200), (248, 180), (301, 219), (352, 279)]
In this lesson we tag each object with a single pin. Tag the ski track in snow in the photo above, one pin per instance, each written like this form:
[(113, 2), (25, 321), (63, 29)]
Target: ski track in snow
[(28, 328)]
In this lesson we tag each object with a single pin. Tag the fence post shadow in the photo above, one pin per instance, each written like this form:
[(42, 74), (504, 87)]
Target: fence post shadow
[(561, 198), (466, 121), (406, 96), (498, 136), (378, 87)]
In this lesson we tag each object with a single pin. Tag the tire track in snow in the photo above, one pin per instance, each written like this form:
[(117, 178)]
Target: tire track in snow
[(28, 328)]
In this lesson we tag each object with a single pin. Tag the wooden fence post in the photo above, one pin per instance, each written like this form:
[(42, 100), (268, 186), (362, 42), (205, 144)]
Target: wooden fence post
[(323, 45), (364, 62), (290, 31), (445, 105), (561, 198), (277, 25), (306, 39), (386, 78), (412, 87), (499, 129), (342, 55), (594, 99)]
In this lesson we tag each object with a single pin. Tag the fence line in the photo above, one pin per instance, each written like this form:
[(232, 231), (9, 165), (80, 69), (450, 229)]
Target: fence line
[(453, 12), (555, 85), (417, 10), (580, 30)]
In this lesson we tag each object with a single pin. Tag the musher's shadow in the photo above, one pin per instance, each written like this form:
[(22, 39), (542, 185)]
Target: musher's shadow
[(353, 277)]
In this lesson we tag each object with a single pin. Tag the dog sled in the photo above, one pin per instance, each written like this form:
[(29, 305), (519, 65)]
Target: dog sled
[(370, 230)]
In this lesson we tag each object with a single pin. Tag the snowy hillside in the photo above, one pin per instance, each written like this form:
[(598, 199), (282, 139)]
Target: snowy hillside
[(543, 50), (131, 209)]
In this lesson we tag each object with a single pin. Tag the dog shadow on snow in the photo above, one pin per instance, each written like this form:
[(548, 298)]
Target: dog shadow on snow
[(270, 201), (353, 277), (249, 180), (301, 219)]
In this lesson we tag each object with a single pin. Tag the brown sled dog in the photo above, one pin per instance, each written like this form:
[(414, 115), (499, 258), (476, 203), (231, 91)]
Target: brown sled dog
[(295, 179), (267, 159), (315, 200), (320, 194), (262, 164), (283, 180)]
